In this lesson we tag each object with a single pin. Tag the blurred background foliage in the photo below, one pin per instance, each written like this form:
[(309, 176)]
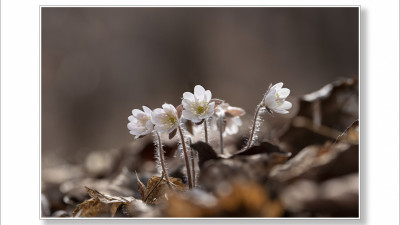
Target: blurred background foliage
[(100, 63)]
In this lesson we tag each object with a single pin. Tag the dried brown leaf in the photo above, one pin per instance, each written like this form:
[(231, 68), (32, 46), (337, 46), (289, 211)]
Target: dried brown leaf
[(157, 188), (350, 135), (318, 163), (141, 187), (172, 134), (100, 205), (322, 115)]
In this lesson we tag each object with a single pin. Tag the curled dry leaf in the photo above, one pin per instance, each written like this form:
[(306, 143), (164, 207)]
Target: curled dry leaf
[(350, 135), (254, 166), (318, 163), (157, 189), (172, 134), (263, 148), (100, 205), (205, 152), (322, 115)]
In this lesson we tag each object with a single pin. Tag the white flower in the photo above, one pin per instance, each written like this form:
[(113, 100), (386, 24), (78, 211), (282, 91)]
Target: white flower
[(140, 122), (165, 119), (231, 117), (197, 106), (275, 98)]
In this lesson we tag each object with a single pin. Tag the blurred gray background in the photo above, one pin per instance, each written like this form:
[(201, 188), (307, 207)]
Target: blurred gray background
[(100, 63)]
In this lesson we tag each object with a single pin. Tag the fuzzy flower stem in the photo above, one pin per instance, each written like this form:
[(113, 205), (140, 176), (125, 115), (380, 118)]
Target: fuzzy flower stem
[(253, 127), (221, 131), (161, 151), (193, 166), (186, 158), (205, 131)]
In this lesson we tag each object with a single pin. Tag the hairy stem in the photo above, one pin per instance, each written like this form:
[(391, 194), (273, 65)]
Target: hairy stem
[(186, 158), (221, 132), (161, 152), (205, 131), (193, 166), (253, 127)]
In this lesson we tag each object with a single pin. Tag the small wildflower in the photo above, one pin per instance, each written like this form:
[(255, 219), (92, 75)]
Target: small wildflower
[(165, 119), (140, 122), (197, 106), (275, 99), (231, 117)]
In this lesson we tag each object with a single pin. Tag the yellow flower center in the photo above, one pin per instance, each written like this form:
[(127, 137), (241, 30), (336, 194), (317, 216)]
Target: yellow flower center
[(172, 120), (200, 109)]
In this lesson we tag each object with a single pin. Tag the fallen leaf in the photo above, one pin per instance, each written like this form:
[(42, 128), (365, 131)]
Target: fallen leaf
[(322, 115), (157, 189), (100, 205), (350, 135)]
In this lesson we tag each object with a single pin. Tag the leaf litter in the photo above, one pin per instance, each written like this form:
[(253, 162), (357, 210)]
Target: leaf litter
[(309, 168)]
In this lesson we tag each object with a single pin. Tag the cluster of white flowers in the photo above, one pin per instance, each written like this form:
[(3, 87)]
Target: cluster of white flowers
[(197, 107)]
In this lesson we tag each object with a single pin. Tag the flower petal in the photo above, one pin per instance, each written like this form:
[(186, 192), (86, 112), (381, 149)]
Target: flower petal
[(147, 110), (187, 114), (189, 96), (136, 112), (284, 92), (156, 116), (131, 126), (208, 95), (199, 92), (134, 132), (281, 111), (277, 86), (209, 111), (149, 126), (168, 108), (131, 118), (186, 103), (285, 105), (270, 98)]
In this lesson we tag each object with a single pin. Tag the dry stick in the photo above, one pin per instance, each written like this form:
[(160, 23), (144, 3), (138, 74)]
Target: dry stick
[(160, 148), (205, 131), (253, 128), (158, 183), (193, 168), (186, 157), (221, 131)]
